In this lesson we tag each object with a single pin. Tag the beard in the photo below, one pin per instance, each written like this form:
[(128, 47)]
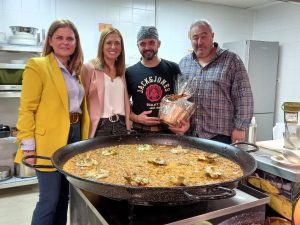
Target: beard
[(149, 54)]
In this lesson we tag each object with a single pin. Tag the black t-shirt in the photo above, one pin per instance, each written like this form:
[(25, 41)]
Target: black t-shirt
[(148, 86)]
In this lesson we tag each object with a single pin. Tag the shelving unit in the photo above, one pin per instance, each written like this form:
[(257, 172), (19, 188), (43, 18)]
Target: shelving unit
[(10, 94), (12, 66), (16, 182), (21, 48), (10, 56), (14, 51)]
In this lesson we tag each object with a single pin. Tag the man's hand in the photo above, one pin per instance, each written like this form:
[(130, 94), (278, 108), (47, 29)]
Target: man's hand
[(181, 128), (143, 118), (238, 135)]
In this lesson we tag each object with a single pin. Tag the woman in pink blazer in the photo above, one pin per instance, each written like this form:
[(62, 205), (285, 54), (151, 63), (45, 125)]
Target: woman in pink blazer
[(105, 87)]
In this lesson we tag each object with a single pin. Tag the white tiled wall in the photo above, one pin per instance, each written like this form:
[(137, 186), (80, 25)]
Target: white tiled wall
[(277, 22), (174, 20), (126, 15)]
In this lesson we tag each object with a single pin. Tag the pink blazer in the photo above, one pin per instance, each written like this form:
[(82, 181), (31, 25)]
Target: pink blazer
[(93, 83)]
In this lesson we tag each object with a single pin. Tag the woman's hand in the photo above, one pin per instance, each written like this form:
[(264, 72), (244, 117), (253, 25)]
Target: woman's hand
[(30, 161)]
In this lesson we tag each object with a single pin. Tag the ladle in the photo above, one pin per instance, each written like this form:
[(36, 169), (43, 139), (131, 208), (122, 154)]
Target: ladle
[(291, 155)]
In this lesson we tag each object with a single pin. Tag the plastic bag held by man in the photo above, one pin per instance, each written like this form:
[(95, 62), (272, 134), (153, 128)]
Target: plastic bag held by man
[(175, 108)]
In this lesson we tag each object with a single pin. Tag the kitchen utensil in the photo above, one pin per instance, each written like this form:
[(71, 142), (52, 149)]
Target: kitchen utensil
[(5, 173), (292, 155), (22, 40), (2, 38), (154, 195), (280, 159), (17, 29), (23, 171), (4, 131), (292, 125), (246, 146)]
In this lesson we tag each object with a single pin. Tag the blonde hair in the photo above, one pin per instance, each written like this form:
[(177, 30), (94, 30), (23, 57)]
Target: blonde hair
[(76, 59), (99, 62)]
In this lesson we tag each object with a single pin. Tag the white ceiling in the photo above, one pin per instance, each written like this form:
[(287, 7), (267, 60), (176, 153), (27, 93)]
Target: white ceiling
[(244, 4)]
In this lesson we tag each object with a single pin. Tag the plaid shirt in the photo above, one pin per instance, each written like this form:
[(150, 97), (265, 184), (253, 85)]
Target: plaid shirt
[(223, 98)]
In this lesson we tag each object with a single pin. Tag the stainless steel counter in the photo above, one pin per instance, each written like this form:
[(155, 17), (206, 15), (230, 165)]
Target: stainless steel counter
[(264, 163)]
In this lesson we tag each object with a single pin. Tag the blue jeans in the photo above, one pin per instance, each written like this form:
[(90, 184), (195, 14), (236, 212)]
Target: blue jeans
[(52, 207)]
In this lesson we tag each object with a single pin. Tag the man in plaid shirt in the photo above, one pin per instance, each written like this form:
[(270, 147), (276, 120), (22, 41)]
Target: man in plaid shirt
[(224, 101)]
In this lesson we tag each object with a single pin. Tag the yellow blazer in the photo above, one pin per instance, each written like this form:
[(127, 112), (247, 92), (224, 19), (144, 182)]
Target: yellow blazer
[(44, 110)]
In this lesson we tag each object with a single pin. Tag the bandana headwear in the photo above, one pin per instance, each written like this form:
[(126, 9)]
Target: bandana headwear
[(146, 32)]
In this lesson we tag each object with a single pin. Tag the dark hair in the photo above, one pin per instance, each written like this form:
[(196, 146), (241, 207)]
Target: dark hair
[(99, 62), (76, 59)]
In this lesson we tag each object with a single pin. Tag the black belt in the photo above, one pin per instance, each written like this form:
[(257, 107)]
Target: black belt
[(112, 125), (151, 128), (114, 118)]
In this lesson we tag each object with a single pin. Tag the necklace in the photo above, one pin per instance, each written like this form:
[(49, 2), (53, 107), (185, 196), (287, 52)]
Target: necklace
[(110, 77), (111, 72)]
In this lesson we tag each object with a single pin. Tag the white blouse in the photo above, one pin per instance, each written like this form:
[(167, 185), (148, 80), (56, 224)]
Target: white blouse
[(113, 97)]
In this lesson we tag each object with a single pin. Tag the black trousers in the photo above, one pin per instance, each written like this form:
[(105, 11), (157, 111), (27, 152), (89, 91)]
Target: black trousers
[(222, 138), (114, 125)]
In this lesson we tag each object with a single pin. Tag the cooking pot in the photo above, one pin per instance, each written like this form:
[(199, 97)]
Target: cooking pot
[(5, 173), (23, 171), (154, 195), (20, 29), (4, 131)]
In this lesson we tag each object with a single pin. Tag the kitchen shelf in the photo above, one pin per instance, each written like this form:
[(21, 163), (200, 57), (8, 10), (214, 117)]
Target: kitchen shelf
[(16, 182), (21, 48), (10, 94), (11, 66)]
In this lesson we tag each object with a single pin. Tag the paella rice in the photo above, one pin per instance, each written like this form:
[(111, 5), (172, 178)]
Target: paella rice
[(153, 166)]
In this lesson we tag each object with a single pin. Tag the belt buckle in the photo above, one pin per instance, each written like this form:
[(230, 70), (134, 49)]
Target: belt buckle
[(111, 118), (74, 118)]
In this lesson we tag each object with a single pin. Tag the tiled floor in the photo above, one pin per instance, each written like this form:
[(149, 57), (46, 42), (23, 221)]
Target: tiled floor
[(17, 204)]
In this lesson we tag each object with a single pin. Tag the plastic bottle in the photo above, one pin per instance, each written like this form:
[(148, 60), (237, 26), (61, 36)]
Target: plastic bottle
[(252, 131)]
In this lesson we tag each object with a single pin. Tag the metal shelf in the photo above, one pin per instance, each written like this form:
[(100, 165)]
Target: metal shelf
[(10, 94), (16, 182), (21, 48), (11, 66)]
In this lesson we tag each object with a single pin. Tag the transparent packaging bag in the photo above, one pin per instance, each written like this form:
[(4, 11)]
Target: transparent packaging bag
[(175, 108)]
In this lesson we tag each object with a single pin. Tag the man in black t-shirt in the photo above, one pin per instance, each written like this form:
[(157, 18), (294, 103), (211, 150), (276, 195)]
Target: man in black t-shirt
[(148, 81)]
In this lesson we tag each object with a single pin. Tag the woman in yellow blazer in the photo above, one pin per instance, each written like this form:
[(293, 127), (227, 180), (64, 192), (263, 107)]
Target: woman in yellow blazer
[(52, 113)]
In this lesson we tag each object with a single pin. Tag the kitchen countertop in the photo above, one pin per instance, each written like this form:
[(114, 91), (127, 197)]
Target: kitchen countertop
[(264, 163)]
